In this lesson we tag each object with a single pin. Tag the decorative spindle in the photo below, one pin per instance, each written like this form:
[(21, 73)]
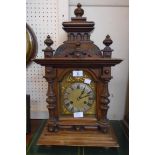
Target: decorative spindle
[(104, 99), (79, 11), (50, 75), (48, 51), (107, 50)]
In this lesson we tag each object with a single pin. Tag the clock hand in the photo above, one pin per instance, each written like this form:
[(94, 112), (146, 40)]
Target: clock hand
[(81, 93)]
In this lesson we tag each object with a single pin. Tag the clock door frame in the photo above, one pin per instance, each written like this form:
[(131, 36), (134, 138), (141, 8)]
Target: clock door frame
[(70, 120)]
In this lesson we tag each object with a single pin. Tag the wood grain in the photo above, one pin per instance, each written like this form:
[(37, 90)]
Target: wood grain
[(78, 138), (80, 62)]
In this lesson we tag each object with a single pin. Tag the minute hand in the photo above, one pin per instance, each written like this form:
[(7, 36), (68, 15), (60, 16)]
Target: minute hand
[(83, 96), (82, 91)]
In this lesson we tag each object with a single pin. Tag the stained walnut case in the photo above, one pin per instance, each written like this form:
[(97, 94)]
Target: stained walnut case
[(78, 73)]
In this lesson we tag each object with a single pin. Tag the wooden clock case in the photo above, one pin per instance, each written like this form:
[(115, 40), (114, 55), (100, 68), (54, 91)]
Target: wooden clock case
[(78, 52)]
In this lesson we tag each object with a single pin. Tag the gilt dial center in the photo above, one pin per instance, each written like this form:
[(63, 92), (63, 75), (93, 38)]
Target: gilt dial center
[(78, 97)]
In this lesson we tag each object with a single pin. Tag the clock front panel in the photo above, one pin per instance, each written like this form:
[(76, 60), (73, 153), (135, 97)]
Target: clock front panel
[(77, 93)]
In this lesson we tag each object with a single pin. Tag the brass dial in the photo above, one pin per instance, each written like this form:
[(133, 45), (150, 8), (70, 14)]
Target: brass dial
[(78, 97), (69, 91)]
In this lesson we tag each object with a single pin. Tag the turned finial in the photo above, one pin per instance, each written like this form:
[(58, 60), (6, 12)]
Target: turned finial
[(48, 51), (107, 41), (79, 11), (107, 51), (48, 41)]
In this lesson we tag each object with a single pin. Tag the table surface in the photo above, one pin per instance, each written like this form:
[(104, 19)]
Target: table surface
[(33, 149)]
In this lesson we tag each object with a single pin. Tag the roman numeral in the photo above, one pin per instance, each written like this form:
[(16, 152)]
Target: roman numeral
[(72, 88), (65, 97), (67, 104), (71, 102), (89, 92), (87, 103), (91, 98), (67, 93), (72, 109), (78, 86)]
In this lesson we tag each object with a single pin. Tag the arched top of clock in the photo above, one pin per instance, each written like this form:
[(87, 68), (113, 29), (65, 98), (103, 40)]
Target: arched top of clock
[(78, 50)]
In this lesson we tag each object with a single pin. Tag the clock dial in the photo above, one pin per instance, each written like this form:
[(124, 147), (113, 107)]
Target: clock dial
[(78, 97)]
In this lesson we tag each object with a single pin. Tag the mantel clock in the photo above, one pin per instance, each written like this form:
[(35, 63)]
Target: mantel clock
[(78, 73)]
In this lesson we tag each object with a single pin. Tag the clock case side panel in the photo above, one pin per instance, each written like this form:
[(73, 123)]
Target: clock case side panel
[(70, 120)]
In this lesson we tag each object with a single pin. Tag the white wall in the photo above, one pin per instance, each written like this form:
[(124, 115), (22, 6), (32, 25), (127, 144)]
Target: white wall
[(45, 17), (111, 17)]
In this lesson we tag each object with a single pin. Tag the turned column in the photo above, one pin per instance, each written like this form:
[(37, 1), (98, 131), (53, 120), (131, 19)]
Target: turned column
[(104, 99), (105, 78), (50, 75)]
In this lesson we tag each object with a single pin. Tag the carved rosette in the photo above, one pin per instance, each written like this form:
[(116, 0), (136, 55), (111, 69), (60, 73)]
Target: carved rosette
[(104, 99), (50, 74), (77, 53)]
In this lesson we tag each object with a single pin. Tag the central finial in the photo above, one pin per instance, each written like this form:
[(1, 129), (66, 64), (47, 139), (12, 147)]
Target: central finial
[(79, 11)]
